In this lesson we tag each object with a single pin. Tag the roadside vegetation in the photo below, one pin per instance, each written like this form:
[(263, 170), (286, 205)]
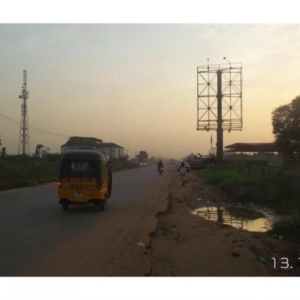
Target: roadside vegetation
[(266, 190), (122, 164), (259, 189), (286, 121), (17, 171)]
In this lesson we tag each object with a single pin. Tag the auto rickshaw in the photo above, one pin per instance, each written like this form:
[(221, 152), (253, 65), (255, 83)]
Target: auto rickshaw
[(85, 176)]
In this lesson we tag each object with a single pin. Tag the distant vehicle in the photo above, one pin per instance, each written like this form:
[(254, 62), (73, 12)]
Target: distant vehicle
[(187, 166), (196, 163)]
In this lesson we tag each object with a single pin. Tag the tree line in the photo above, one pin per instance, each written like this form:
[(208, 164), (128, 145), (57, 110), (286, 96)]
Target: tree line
[(286, 129)]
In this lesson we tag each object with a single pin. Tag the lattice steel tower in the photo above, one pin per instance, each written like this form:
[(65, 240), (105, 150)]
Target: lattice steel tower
[(219, 100), (24, 130)]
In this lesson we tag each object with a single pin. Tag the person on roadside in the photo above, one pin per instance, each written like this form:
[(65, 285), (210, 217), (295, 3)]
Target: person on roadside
[(182, 171)]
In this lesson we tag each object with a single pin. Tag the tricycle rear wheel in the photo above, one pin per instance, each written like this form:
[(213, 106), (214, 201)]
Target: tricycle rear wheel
[(101, 205), (65, 205)]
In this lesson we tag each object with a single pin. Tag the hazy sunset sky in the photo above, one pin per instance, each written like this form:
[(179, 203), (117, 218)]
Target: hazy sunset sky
[(136, 84)]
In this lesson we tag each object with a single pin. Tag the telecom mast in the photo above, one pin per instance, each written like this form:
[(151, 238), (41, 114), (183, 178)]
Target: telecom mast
[(24, 131)]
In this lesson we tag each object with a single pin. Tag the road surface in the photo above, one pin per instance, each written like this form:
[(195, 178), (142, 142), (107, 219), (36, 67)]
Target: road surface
[(38, 239)]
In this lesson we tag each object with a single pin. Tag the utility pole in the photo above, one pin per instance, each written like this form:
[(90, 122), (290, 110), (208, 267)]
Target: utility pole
[(24, 148)]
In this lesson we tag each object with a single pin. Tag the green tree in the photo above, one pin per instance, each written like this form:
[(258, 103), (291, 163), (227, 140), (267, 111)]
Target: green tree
[(3, 153), (286, 127)]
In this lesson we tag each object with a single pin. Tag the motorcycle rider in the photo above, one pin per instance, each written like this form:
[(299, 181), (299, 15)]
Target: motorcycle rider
[(160, 165)]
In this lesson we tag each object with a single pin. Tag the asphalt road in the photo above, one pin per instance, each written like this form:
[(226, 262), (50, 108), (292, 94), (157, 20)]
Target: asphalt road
[(38, 239)]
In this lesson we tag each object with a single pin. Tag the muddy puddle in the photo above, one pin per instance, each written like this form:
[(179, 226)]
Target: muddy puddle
[(238, 217)]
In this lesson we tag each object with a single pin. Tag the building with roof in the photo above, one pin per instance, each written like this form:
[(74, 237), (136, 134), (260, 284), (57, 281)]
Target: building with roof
[(80, 143), (267, 152), (252, 147), (112, 150)]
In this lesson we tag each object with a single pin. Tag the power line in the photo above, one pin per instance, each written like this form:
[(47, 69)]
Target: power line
[(15, 122)]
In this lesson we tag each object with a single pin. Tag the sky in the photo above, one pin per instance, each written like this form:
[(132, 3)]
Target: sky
[(136, 84)]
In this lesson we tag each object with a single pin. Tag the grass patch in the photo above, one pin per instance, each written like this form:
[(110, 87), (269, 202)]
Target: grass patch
[(26, 172), (259, 186), (121, 166), (17, 171), (226, 179), (259, 189), (288, 226)]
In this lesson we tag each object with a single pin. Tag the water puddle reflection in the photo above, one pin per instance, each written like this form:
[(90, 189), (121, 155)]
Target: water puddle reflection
[(238, 217)]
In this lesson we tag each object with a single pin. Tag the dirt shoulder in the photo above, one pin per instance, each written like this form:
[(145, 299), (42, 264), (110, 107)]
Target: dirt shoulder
[(186, 245)]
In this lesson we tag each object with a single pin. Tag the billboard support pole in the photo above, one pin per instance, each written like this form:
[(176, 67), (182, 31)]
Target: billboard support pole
[(220, 121)]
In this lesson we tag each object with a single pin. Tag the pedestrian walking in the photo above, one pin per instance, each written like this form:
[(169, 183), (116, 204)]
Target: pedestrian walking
[(182, 171)]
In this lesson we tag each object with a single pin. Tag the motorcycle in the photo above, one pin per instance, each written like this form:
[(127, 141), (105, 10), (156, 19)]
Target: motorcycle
[(160, 170)]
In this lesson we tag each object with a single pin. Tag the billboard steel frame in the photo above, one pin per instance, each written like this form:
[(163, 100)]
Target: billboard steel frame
[(219, 100)]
